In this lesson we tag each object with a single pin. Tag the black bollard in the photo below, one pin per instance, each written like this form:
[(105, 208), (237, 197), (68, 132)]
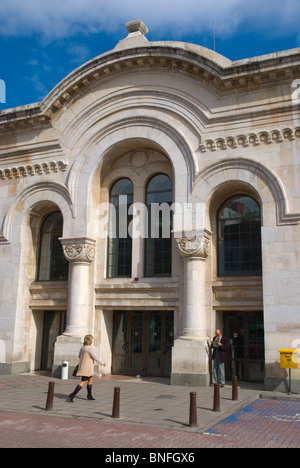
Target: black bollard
[(116, 403), (234, 388), (216, 398), (49, 403), (193, 409)]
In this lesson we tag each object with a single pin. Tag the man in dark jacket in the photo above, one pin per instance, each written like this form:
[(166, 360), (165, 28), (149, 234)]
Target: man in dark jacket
[(219, 345)]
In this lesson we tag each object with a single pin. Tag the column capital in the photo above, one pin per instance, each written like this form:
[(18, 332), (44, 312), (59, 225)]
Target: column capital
[(78, 249), (195, 244)]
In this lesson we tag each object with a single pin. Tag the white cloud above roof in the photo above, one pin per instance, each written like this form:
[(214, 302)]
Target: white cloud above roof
[(168, 18)]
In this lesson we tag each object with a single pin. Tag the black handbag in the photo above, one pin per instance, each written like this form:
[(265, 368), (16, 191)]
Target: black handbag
[(75, 371)]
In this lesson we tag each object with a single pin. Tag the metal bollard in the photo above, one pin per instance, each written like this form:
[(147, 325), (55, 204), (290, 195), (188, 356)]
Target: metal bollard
[(49, 403), (234, 388), (193, 409), (216, 398), (116, 403)]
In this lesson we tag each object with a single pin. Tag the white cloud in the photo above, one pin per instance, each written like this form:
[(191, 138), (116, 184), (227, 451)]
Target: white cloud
[(165, 18), (32, 62), (79, 53), (38, 85)]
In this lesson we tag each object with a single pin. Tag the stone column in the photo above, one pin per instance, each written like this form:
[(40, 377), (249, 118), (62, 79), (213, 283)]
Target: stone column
[(194, 251), (79, 252), (189, 357)]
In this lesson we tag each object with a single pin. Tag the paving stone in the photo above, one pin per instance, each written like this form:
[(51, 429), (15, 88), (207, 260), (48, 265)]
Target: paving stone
[(153, 414)]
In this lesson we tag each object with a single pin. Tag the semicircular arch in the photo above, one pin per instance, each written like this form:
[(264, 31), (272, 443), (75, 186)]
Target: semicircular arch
[(156, 133), (56, 194), (260, 179)]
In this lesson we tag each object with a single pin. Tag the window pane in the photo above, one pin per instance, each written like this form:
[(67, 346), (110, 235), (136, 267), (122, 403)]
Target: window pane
[(122, 187), (159, 183), (158, 245), (239, 232), (52, 263), (119, 241)]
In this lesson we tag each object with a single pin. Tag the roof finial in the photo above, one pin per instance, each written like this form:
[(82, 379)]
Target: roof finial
[(137, 26), (136, 37)]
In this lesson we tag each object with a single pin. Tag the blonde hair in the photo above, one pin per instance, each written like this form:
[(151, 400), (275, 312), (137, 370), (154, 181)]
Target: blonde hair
[(88, 340)]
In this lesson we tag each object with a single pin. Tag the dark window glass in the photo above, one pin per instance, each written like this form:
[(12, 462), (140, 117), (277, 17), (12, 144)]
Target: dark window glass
[(119, 240), (52, 263), (158, 245), (239, 237)]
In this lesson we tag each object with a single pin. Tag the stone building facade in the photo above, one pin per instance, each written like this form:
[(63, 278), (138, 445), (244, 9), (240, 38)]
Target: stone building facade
[(154, 122)]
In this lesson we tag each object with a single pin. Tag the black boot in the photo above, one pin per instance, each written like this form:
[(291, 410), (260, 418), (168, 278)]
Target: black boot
[(72, 395), (89, 392)]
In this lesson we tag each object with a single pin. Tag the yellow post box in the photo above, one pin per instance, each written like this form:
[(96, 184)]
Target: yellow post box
[(289, 358)]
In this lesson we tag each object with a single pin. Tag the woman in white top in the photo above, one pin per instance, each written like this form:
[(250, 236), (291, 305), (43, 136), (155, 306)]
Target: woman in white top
[(86, 367)]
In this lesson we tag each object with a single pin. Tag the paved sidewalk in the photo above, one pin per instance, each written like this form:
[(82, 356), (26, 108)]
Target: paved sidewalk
[(148, 402), (153, 415)]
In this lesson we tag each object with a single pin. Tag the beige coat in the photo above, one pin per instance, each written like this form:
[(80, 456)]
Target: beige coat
[(86, 362)]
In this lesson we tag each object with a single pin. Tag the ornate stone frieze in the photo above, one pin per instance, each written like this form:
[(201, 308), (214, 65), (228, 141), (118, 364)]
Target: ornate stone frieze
[(195, 246), (265, 137), (32, 170), (79, 249)]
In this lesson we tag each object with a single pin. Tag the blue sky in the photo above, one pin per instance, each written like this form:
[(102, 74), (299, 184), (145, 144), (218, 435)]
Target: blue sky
[(42, 41)]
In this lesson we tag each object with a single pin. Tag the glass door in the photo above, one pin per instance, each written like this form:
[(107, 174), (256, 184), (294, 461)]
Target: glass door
[(120, 343), (54, 325), (155, 343), (255, 348), (142, 342), (245, 357), (136, 344), (161, 339)]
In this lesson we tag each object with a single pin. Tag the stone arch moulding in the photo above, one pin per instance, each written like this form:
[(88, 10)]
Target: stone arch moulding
[(54, 192), (249, 172), (159, 133)]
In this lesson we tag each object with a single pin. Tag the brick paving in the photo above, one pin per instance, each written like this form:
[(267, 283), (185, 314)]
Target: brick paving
[(19, 430), (154, 415), (264, 423)]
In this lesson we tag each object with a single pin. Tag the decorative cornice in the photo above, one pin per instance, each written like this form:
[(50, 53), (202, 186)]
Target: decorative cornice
[(44, 149), (196, 62), (80, 249), (23, 118), (197, 245), (264, 137), (32, 170)]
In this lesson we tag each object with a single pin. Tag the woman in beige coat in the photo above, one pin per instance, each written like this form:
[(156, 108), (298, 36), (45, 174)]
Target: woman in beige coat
[(86, 367)]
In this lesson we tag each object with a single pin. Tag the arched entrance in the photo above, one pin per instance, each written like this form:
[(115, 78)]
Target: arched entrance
[(142, 333), (44, 285), (239, 257)]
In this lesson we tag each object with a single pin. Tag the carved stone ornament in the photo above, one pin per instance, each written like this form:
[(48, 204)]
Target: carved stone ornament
[(196, 246), (79, 250)]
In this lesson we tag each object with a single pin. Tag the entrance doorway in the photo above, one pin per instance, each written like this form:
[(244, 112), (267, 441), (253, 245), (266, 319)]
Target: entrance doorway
[(246, 354), (54, 325), (142, 343)]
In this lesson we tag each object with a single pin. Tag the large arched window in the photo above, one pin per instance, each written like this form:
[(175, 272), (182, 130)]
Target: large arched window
[(52, 263), (239, 237), (119, 240), (158, 245)]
